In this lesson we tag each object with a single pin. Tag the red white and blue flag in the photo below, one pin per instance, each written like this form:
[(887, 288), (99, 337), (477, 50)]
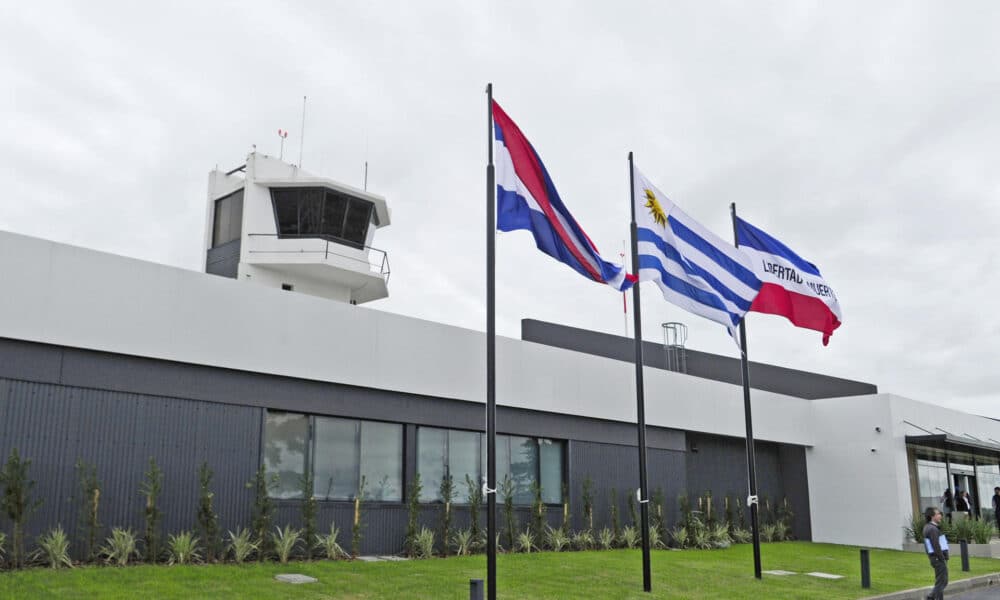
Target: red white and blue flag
[(527, 199), (792, 286)]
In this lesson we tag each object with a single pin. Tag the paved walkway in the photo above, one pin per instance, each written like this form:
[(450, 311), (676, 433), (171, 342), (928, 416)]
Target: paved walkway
[(987, 593)]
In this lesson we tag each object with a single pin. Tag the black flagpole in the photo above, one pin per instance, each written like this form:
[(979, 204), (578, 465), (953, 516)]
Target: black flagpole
[(491, 381), (751, 461), (639, 393)]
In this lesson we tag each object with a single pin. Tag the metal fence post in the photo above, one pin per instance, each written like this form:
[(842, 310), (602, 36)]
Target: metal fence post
[(475, 589), (866, 570), (965, 554)]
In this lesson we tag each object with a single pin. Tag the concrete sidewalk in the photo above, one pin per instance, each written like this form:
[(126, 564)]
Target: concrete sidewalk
[(975, 583)]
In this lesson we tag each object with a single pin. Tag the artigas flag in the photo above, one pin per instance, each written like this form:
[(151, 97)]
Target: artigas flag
[(527, 199), (793, 287), (695, 269)]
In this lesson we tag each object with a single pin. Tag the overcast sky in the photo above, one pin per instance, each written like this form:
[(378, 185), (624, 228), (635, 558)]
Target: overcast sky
[(863, 135)]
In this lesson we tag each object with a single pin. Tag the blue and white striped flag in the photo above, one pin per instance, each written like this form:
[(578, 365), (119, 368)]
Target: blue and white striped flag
[(695, 269)]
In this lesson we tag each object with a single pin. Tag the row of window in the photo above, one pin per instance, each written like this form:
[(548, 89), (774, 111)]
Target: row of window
[(322, 212), (227, 221), (339, 452)]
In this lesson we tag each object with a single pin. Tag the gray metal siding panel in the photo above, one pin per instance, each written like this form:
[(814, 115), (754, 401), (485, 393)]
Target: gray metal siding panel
[(55, 426), (771, 378)]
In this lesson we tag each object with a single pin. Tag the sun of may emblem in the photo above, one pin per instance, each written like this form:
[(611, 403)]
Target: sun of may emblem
[(655, 209)]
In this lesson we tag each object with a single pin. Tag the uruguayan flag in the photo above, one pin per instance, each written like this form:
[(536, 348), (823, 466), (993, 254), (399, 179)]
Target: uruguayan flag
[(694, 268)]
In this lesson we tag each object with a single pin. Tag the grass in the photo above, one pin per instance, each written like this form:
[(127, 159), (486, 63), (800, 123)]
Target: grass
[(701, 574)]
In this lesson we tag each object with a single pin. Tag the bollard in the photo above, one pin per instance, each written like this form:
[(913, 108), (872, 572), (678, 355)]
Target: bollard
[(965, 554), (866, 570), (475, 589)]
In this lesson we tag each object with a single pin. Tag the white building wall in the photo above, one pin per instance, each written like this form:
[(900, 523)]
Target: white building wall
[(72, 296), (855, 492)]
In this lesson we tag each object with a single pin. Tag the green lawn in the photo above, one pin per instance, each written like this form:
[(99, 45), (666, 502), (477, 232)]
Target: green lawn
[(701, 574)]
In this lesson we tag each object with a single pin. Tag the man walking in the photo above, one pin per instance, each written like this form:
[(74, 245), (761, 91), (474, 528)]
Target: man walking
[(936, 545)]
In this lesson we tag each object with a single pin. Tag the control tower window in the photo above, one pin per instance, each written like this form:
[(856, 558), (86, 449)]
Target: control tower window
[(228, 219), (322, 213)]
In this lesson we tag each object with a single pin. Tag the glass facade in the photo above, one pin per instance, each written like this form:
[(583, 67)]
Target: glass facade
[(937, 470), (340, 452), (285, 442), (525, 460)]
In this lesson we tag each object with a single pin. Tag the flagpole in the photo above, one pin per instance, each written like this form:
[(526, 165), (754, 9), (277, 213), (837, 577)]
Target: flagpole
[(751, 460), (491, 400), (639, 393)]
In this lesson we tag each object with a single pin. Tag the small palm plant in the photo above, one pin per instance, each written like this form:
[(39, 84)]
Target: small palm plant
[(629, 537), (425, 543), (242, 545), (462, 542), (524, 542), (120, 547), (741, 536), (606, 539), (329, 545), (3, 544), (556, 538), (680, 536), (720, 536), (183, 548), (655, 539), (53, 549), (284, 542), (583, 540)]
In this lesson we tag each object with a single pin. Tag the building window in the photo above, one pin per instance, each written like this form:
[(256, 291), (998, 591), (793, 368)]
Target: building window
[(227, 222), (285, 443), (526, 460), (339, 452), (323, 213)]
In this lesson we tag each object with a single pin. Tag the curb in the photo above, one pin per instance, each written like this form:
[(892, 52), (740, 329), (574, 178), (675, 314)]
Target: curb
[(964, 585)]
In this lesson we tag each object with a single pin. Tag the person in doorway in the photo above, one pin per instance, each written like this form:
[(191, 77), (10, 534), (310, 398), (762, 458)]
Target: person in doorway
[(996, 506), (936, 545), (966, 501), (962, 500), (948, 503)]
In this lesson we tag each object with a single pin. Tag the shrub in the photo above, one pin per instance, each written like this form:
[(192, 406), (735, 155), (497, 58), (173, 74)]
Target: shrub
[(3, 549), (309, 509), (120, 547), (537, 514), (680, 536), (525, 542), (655, 539), (741, 536), (684, 504), (16, 501), (606, 539), (475, 503), (462, 541), (510, 520), (629, 537), (556, 539), (90, 496), (616, 526), (150, 488), (413, 512), (183, 548), (658, 521), (242, 545), (53, 549), (263, 509), (633, 517), (425, 543), (720, 535), (982, 531), (565, 510), (588, 502), (701, 537), (208, 520), (329, 545), (447, 490), (914, 528), (284, 542), (768, 532), (583, 540), (356, 526)]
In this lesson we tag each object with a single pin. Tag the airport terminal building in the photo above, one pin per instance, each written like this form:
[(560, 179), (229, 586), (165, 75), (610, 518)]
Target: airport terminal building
[(268, 357)]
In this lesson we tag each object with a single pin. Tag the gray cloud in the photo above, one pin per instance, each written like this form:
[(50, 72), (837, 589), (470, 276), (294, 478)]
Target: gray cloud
[(861, 135)]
